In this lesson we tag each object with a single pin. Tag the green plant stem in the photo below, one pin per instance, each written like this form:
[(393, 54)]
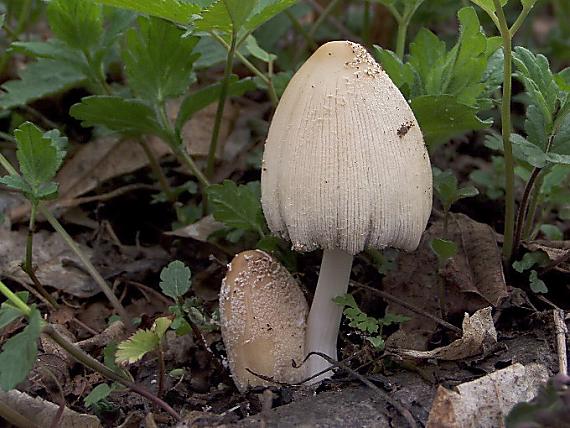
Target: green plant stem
[(532, 207), (13, 417), (95, 365), (506, 133), (401, 39), (176, 144), (15, 300), (523, 212), (520, 19), (301, 30), (256, 71), (221, 106), (7, 137), (155, 166), (30, 237), (28, 266)]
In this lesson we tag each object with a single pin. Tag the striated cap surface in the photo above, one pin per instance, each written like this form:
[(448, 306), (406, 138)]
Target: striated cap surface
[(345, 166), (263, 314)]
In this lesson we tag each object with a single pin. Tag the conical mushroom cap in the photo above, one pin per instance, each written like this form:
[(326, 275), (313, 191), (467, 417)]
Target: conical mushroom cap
[(345, 166), (263, 315)]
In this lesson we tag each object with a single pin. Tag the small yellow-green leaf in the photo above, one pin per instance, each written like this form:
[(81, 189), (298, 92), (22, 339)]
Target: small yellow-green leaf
[(133, 349)]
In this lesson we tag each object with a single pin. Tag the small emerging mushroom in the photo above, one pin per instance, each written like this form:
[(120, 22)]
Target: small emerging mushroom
[(263, 313), (344, 168)]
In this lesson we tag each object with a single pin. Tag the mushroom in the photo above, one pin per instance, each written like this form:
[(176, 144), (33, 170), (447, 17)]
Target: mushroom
[(345, 168), (263, 313)]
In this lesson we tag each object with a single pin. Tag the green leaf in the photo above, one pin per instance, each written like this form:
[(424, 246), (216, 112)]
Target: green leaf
[(488, 5), (9, 312), (539, 258), (257, 51), (346, 300), (527, 4), (237, 206), (38, 80), (207, 95), (39, 157), (100, 392), (390, 318), (17, 183), (239, 11), (377, 342), (247, 15), (158, 60), (19, 353), (160, 326), (175, 279), (442, 117), (127, 116), (552, 232), (179, 11), (537, 285), (443, 249), (79, 23), (401, 74), (134, 348), (265, 10)]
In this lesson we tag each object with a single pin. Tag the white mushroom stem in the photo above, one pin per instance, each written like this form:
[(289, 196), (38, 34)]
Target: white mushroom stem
[(325, 315)]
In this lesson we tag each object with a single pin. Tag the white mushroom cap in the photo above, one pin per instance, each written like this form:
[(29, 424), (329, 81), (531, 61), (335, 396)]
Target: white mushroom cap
[(263, 315), (345, 166)]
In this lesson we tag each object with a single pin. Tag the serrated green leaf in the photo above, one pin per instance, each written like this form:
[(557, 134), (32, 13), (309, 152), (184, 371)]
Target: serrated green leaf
[(527, 4), (443, 249), (445, 186), (467, 192), (537, 285), (39, 156), (237, 206), (17, 183), (155, 73), (134, 348), (127, 116), (174, 10), (175, 279), (442, 117), (534, 72), (391, 318), (38, 80), (100, 392), (79, 23), (19, 353), (200, 99)]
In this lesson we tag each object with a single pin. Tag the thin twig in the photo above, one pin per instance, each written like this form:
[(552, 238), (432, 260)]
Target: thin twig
[(561, 331), (386, 397), (409, 306)]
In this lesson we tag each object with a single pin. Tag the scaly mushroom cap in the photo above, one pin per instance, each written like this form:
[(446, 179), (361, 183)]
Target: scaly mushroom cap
[(345, 165), (263, 313)]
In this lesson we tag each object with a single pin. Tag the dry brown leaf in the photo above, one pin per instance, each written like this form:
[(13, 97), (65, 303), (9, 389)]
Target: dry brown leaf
[(42, 412), (199, 230), (57, 266), (471, 280), (484, 403), (479, 334)]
